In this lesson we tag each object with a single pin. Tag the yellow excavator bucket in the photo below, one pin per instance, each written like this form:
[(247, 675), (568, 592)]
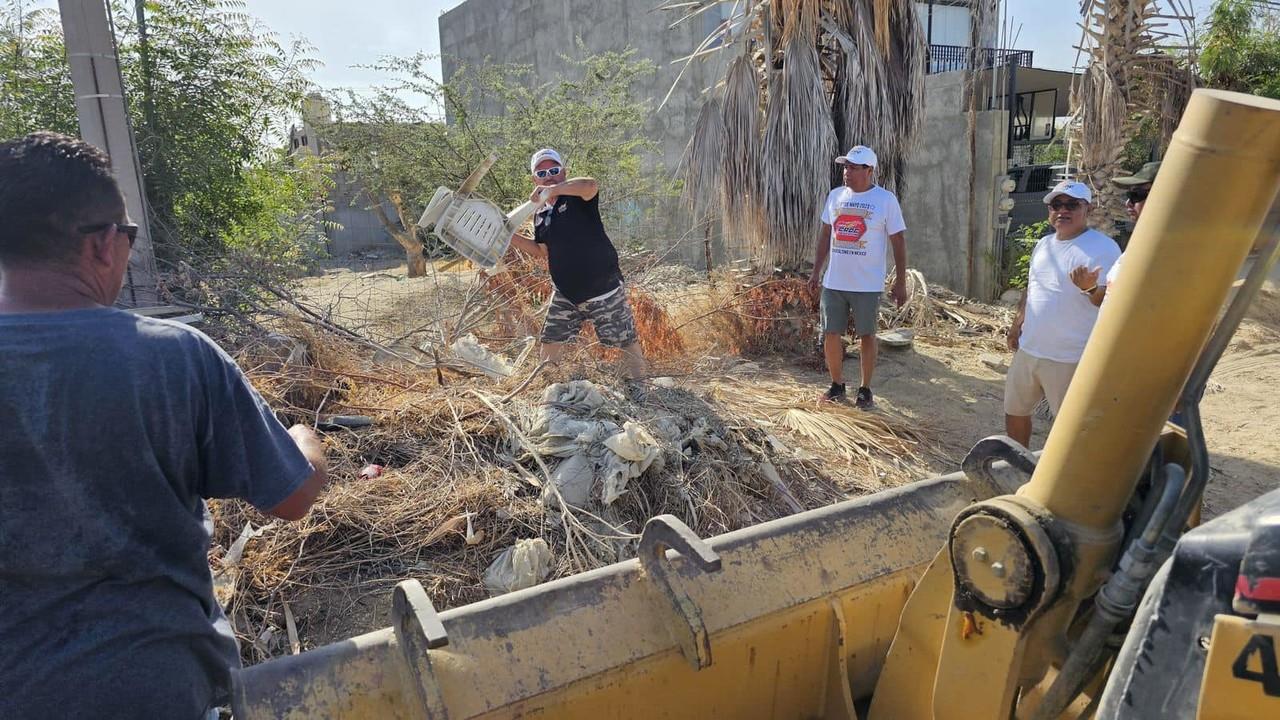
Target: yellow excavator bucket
[(788, 619)]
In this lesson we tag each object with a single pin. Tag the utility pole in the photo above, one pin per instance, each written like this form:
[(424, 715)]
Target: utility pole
[(104, 122)]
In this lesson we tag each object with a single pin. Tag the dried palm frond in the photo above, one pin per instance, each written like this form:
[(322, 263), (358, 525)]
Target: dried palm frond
[(917, 312), (854, 78), (1129, 77), (740, 197), (878, 86), (881, 10), (799, 144), (905, 64), (882, 441), (700, 166)]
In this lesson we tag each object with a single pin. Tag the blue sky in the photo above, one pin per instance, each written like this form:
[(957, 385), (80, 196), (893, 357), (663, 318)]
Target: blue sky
[(348, 33)]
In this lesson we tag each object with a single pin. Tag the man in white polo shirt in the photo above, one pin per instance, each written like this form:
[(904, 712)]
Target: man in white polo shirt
[(860, 221), (1056, 313)]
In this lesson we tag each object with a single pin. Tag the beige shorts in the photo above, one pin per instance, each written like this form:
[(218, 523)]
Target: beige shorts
[(1030, 379)]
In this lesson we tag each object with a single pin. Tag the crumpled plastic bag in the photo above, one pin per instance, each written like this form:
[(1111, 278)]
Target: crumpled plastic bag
[(584, 395), (470, 351), (573, 478), (562, 427), (520, 566), (631, 453), (565, 436)]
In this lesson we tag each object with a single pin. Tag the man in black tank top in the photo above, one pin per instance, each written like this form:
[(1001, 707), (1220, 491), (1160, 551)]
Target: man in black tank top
[(584, 268)]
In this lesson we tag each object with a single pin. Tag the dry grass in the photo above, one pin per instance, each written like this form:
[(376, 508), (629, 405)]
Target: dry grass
[(779, 316)]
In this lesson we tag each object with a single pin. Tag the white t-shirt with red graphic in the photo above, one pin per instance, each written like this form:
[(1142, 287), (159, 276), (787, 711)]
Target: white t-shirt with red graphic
[(861, 223)]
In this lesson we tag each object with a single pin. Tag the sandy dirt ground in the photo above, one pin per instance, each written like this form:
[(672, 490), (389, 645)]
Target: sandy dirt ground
[(960, 400)]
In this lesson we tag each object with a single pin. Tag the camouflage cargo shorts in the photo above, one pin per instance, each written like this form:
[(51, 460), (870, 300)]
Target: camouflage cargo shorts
[(610, 314)]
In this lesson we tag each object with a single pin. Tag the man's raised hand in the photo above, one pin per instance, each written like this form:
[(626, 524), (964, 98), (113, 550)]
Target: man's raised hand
[(1085, 278)]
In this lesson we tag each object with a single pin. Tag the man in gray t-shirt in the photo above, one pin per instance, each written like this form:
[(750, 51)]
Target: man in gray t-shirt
[(116, 428)]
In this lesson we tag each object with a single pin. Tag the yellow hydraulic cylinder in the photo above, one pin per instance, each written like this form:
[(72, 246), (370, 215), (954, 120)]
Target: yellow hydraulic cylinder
[(1215, 187)]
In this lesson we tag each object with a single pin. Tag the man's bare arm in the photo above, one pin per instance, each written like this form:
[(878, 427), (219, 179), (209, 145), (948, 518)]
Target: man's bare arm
[(820, 253), (295, 506), (899, 242), (1015, 330), (583, 187), (529, 247)]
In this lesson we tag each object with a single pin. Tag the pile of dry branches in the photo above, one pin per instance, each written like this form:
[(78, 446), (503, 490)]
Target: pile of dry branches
[(458, 479), (778, 315)]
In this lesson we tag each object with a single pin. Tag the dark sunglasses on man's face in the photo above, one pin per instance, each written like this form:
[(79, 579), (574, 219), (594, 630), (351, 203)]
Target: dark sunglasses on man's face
[(1069, 206), (129, 229), (549, 172), (1136, 196)]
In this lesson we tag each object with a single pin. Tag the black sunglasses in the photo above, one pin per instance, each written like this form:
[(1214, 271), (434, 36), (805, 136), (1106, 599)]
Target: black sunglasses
[(1071, 206), (1136, 196), (129, 229), (549, 172)]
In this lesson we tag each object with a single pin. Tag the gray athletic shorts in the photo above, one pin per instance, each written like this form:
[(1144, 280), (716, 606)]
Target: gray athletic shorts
[(610, 314), (837, 304)]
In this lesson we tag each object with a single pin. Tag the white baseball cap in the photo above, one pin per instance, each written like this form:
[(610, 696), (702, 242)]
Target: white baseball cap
[(1070, 188), (859, 155), (544, 154)]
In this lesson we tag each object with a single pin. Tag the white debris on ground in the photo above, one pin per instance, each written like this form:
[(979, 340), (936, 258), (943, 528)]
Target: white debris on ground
[(469, 350), (520, 566), (572, 423)]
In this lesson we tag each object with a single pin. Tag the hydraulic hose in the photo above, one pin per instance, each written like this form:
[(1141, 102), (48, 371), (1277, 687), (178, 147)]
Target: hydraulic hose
[(1117, 600)]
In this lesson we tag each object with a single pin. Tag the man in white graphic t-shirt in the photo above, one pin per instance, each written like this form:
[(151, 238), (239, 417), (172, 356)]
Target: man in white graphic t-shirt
[(860, 221), (1057, 312)]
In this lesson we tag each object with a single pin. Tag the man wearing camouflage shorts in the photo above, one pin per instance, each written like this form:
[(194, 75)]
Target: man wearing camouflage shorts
[(569, 234)]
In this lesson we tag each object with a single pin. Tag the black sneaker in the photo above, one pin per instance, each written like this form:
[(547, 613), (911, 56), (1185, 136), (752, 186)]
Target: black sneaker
[(835, 393), (863, 399)]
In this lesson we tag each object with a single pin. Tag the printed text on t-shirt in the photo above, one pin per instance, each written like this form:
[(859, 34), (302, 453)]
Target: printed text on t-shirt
[(849, 228)]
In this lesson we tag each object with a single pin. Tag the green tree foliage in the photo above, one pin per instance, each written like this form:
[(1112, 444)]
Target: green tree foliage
[(210, 93), (394, 143), (35, 82), (1242, 48), (1017, 252)]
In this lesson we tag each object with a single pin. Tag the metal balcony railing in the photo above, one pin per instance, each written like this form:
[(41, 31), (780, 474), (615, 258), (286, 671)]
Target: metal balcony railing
[(945, 58)]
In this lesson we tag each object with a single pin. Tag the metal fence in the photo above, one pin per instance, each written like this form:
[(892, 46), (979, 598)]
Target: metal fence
[(946, 58)]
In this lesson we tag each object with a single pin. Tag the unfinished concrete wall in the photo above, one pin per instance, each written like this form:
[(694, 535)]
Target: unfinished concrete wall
[(357, 228), (540, 32), (951, 233)]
